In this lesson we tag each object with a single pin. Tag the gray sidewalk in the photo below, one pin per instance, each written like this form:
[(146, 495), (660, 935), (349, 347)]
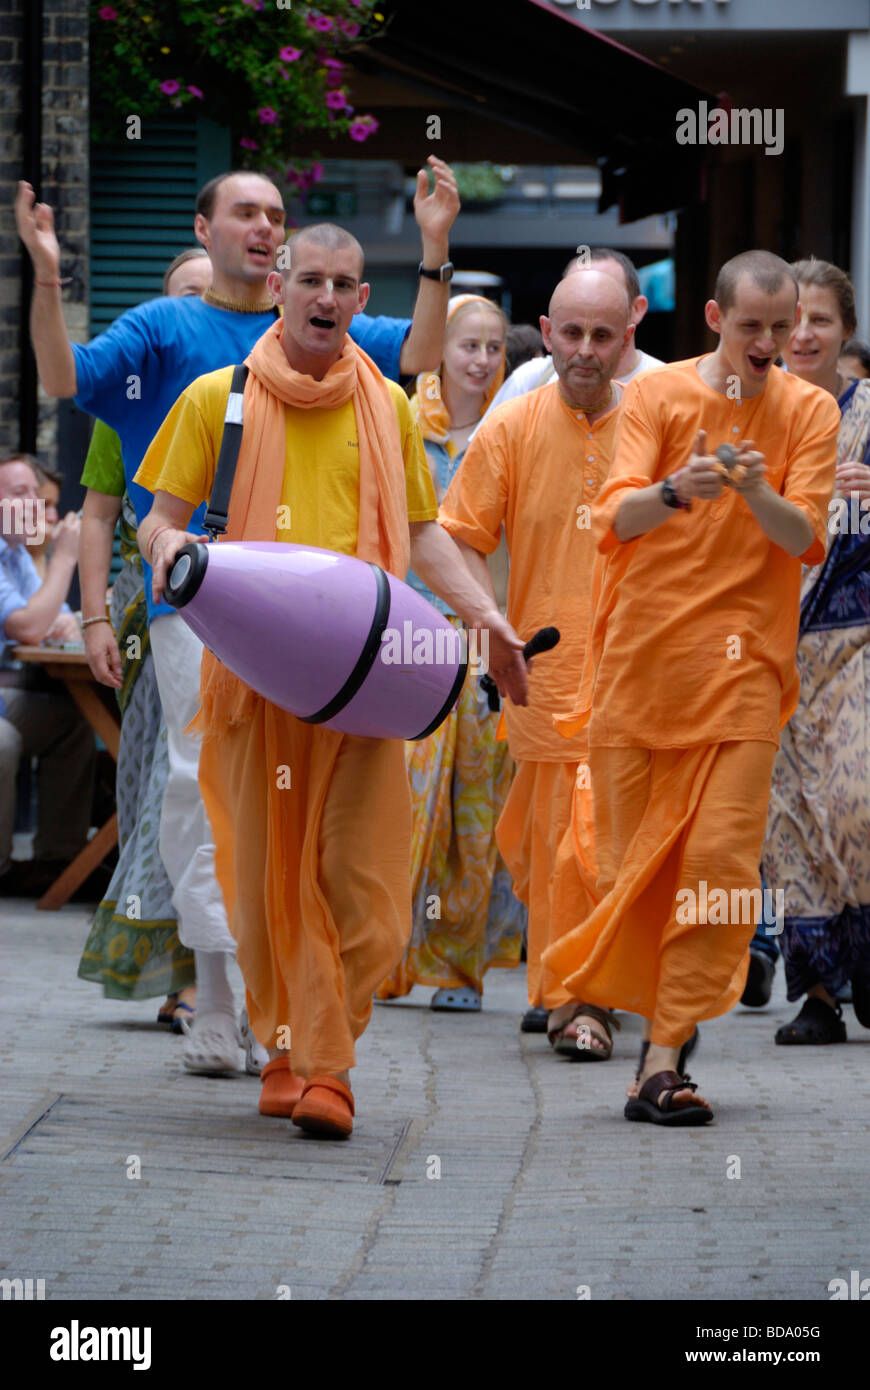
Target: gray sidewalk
[(544, 1187)]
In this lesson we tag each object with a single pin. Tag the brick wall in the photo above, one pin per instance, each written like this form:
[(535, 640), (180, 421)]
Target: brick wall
[(11, 59), (64, 174)]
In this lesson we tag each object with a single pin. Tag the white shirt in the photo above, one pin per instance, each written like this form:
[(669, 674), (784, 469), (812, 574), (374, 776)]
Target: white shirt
[(539, 370)]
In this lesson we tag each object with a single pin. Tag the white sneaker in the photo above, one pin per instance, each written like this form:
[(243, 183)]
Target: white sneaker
[(256, 1056), (211, 1047)]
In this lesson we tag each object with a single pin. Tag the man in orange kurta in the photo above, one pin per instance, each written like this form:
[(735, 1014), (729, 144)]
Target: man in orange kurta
[(535, 466), (690, 672), (314, 866)]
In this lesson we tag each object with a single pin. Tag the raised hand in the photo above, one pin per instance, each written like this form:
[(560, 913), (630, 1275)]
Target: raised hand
[(436, 212), (35, 222)]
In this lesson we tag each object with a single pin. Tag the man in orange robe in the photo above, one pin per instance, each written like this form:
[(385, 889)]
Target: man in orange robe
[(535, 466), (690, 671), (314, 870)]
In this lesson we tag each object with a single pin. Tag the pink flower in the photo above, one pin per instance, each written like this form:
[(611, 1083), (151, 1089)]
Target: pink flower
[(362, 128), (257, 4), (290, 55), (248, 144), (195, 92), (267, 115), (316, 173), (323, 23), (108, 13), (170, 88), (333, 63), (349, 27), (333, 78), (336, 101)]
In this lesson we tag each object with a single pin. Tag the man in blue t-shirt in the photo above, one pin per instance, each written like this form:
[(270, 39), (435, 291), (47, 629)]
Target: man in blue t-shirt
[(130, 377)]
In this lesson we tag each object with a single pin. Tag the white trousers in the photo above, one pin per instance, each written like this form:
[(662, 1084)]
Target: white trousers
[(186, 845)]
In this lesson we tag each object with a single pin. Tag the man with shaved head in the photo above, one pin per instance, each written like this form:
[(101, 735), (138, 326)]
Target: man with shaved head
[(530, 375), (723, 472), (535, 466), (314, 869), (130, 376)]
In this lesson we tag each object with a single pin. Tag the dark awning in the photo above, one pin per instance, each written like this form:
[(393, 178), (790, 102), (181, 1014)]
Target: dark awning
[(518, 81)]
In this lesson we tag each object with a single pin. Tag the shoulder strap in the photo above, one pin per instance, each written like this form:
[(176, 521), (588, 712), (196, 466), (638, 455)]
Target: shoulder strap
[(217, 516)]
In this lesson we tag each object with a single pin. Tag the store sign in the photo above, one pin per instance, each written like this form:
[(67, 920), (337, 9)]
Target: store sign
[(597, 4), (713, 16)]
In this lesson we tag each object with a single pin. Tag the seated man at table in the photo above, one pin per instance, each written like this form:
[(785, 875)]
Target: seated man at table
[(38, 722)]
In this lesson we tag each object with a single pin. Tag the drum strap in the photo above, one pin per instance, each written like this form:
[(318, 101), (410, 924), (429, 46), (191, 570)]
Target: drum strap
[(217, 516)]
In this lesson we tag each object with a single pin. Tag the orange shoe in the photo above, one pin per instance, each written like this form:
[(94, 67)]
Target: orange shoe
[(326, 1108), (281, 1090)]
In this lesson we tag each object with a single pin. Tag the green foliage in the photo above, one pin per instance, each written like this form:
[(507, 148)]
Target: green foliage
[(480, 183), (266, 69)]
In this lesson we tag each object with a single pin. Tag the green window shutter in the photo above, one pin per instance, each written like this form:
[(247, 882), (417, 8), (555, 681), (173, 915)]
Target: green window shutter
[(143, 194)]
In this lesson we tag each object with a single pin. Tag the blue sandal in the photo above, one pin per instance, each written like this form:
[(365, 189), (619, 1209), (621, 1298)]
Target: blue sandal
[(460, 1000), (182, 1025)]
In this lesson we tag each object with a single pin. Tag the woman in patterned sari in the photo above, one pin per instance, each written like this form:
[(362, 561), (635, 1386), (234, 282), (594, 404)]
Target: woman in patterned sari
[(817, 848), (133, 948), (465, 916)]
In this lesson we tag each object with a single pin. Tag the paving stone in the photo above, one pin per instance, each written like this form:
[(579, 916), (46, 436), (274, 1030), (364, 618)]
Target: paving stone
[(543, 1184)]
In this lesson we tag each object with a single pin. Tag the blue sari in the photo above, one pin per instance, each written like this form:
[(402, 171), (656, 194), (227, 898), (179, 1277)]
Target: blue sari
[(817, 847)]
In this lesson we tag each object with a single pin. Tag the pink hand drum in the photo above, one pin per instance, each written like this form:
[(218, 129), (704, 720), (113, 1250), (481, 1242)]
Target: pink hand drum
[(333, 639)]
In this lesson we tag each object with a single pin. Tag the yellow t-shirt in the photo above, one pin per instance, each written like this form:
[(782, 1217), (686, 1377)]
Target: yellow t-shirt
[(320, 495)]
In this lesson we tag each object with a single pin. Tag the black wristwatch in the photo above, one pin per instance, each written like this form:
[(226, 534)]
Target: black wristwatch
[(443, 273), (669, 495)]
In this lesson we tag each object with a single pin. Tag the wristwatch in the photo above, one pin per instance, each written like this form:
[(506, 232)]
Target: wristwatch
[(670, 497), (443, 273)]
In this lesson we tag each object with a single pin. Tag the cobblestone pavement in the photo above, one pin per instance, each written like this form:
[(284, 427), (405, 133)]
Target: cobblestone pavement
[(543, 1186)]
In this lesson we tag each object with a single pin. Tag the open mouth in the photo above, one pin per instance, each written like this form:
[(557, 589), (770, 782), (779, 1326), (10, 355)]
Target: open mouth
[(260, 251), (318, 322), (760, 363)]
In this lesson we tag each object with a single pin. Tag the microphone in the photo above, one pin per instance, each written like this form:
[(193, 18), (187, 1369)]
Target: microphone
[(543, 641)]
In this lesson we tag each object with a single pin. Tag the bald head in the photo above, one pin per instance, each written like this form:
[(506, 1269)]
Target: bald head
[(587, 291), (587, 330), (328, 236)]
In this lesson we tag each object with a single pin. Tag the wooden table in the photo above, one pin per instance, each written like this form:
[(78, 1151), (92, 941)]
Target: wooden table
[(72, 669)]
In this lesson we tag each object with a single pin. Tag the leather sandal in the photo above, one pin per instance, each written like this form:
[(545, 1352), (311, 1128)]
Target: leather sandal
[(645, 1106), (326, 1108), (281, 1091), (574, 1047), (816, 1023), (172, 1001), (685, 1053)]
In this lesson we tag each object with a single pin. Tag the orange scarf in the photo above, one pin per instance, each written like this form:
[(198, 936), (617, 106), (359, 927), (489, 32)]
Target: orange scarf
[(383, 535)]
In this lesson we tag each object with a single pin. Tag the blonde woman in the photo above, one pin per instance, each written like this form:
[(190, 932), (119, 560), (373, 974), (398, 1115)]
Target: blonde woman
[(465, 916)]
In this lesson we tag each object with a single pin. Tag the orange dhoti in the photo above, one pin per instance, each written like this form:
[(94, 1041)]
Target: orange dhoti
[(557, 886), (312, 834), (673, 829)]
